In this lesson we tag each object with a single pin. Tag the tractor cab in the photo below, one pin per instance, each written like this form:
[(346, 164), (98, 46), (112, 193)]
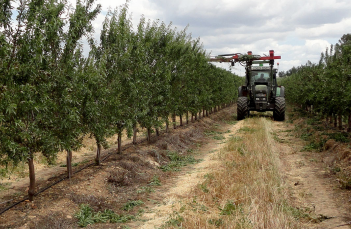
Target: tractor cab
[(261, 82)]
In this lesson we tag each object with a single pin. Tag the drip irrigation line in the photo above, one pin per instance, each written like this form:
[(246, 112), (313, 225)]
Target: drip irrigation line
[(64, 178), (75, 172)]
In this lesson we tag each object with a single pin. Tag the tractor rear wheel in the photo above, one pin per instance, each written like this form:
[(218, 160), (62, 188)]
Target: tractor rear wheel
[(242, 108), (279, 109)]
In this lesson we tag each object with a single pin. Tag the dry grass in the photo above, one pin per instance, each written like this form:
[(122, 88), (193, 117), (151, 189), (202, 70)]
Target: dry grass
[(244, 190)]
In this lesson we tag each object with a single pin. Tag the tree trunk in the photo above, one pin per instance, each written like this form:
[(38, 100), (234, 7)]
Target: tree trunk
[(31, 190), (135, 131), (157, 132), (331, 119), (167, 126), (69, 163), (119, 142), (203, 113), (181, 120), (340, 121), (206, 113), (349, 123), (174, 121), (148, 135), (192, 117), (335, 120), (195, 115), (98, 151), (187, 117)]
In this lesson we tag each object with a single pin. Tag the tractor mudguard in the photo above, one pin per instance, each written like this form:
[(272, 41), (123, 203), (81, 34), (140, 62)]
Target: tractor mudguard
[(242, 91)]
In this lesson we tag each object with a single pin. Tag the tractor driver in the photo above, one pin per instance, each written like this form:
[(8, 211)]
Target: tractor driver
[(262, 79)]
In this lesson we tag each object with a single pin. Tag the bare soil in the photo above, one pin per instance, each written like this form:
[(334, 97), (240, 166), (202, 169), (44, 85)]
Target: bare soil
[(313, 187), (121, 178)]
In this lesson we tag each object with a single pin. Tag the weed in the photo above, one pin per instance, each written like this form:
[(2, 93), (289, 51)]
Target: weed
[(216, 222), (276, 138), (236, 139), (178, 161), (215, 135), (339, 136), (313, 121), (3, 172), (314, 145), (287, 131), (305, 136), (229, 208), (204, 188), (318, 127), (4, 186), (73, 165), (209, 176), (155, 181), (131, 204), (247, 129), (86, 216), (298, 213), (345, 181), (241, 150), (175, 220), (145, 189), (218, 137), (336, 170), (231, 122)]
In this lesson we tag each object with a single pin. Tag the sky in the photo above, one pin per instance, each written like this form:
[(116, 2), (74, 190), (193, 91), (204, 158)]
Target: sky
[(297, 30)]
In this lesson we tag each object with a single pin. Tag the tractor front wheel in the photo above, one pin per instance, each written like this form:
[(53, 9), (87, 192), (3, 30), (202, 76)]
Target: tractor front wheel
[(242, 108), (279, 109)]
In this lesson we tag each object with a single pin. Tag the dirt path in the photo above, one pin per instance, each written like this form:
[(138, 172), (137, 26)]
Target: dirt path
[(311, 189), (183, 184)]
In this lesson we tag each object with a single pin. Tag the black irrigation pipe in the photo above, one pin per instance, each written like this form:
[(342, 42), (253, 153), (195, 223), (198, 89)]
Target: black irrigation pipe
[(64, 178), (75, 172)]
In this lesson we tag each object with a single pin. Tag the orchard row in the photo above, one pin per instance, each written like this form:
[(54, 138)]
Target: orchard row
[(324, 87), (51, 95)]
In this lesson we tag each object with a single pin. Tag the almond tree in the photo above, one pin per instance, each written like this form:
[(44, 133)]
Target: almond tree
[(31, 73)]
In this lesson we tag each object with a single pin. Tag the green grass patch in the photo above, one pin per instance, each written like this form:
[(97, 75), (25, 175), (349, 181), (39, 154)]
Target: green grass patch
[(86, 215), (175, 220), (155, 181), (145, 189), (131, 204), (339, 136), (216, 222), (73, 165), (230, 207), (314, 145), (215, 134), (177, 161), (4, 186), (276, 138), (247, 129)]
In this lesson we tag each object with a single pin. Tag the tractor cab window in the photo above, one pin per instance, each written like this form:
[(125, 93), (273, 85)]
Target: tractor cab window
[(258, 76)]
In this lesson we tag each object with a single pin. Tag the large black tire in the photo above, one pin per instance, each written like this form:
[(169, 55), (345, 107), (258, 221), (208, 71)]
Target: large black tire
[(279, 109), (242, 108)]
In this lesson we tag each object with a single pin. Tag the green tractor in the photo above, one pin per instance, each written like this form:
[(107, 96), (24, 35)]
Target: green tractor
[(260, 92)]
